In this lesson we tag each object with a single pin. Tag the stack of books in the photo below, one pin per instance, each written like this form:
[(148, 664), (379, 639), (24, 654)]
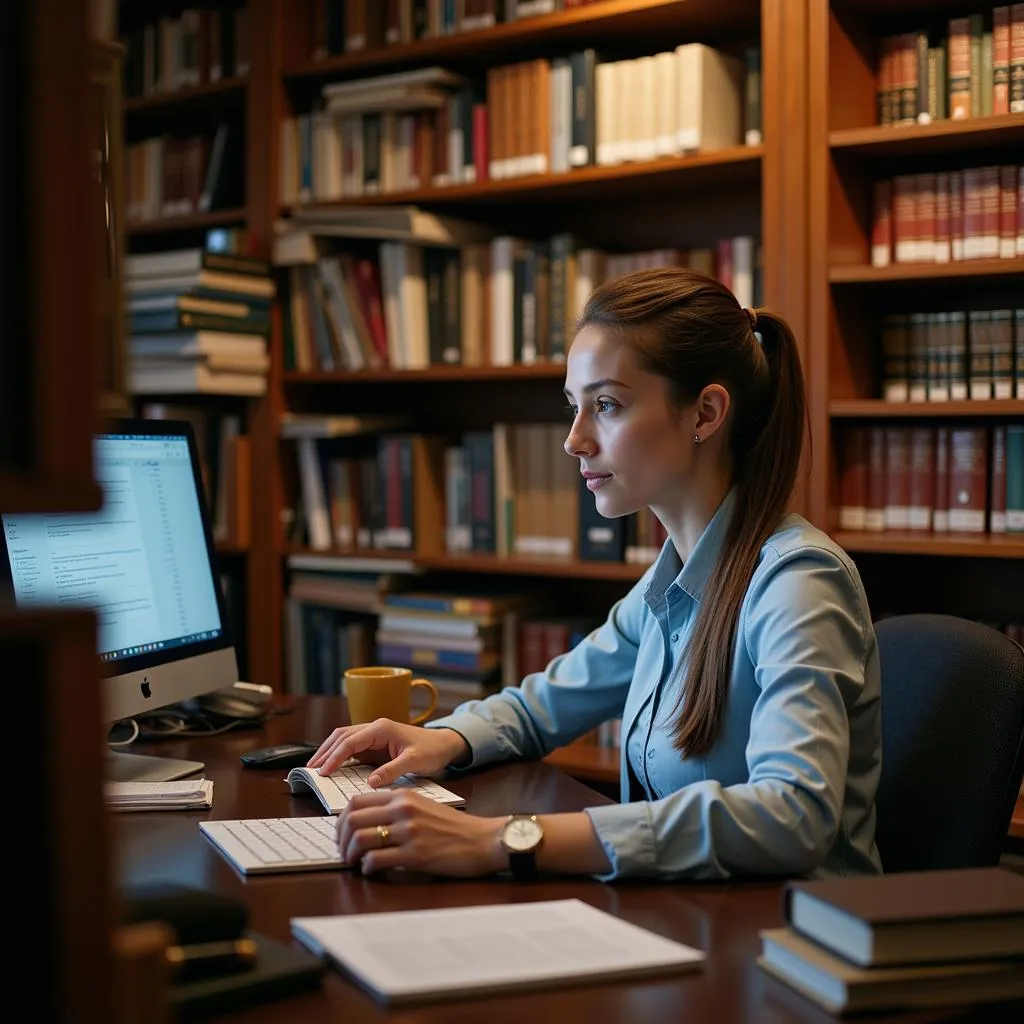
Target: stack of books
[(914, 939), (197, 322)]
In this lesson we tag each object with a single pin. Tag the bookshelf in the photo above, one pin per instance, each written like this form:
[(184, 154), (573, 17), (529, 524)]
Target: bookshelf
[(757, 189), (217, 53), (971, 573)]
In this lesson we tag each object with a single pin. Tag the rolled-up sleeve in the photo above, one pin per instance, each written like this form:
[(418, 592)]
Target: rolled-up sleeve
[(575, 693), (806, 632)]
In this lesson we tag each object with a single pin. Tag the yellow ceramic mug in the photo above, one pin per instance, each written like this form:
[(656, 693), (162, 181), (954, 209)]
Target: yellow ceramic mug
[(376, 691)]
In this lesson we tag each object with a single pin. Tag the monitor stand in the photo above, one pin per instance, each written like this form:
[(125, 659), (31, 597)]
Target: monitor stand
[(122, 767)]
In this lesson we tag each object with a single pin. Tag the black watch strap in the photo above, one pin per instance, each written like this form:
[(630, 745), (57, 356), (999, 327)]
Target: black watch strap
[(523, 866)]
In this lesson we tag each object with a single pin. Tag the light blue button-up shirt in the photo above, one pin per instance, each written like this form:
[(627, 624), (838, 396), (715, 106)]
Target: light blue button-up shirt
[(789, 786)]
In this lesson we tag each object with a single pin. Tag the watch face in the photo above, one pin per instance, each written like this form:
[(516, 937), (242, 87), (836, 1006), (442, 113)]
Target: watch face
[(521, 834)]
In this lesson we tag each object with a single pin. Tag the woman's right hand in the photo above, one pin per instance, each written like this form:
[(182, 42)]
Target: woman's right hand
[(395, 747)]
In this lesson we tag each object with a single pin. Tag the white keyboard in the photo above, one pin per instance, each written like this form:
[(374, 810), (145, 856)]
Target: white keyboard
[(334, 791), (260, 846)]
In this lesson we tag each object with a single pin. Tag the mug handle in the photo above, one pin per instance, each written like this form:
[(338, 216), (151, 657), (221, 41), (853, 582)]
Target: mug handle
[(424, 715)]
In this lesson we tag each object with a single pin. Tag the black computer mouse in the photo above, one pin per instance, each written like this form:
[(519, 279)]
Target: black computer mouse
[(281, 755)]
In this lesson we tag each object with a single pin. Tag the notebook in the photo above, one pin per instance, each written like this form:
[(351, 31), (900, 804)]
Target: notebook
[(454, 952), (334, 791)]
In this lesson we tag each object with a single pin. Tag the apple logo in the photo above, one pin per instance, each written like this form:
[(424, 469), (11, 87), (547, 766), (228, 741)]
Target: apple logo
[(147, 690)]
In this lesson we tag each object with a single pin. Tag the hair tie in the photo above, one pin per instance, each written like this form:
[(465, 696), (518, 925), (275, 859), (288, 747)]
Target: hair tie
[(752, 317)]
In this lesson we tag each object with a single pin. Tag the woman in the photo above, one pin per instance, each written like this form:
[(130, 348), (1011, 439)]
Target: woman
[(743, 663)]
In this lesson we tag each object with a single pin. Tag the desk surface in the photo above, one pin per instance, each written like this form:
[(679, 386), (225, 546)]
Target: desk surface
[(721, 918)]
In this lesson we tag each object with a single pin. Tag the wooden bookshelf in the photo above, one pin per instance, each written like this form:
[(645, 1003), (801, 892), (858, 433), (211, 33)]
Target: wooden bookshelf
[(467, 374), (1009, 270), (185, 99), (610, 21), (945, 136), (876, 408), (672, 201), (946, 545), (734, 166), (965, 574), (188, 222)]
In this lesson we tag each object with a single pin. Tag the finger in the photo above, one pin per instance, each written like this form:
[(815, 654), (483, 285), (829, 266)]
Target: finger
[(385, 774), (328, 745), (366, 810), (363, 737), (364, 840), (382, 859)]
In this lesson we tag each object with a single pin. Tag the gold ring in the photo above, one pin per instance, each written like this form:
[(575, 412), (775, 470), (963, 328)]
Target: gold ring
[(384, 834)]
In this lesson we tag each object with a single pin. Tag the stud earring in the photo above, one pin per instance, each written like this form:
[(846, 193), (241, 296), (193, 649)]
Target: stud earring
[(696, 438)]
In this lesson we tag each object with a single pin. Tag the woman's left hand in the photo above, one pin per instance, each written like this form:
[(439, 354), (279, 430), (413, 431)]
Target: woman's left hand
[(402, 829)]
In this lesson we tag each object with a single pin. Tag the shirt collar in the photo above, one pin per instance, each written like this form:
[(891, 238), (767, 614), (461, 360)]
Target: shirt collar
[(693, 576)]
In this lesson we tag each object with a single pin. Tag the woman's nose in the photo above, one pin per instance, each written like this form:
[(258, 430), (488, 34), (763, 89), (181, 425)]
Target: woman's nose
[(577, 443)]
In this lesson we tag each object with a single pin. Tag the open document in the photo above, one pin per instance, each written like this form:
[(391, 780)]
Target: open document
[(403, 956)]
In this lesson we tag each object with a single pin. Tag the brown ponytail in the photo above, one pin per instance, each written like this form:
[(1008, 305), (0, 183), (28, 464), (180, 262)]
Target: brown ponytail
[(689, 328)]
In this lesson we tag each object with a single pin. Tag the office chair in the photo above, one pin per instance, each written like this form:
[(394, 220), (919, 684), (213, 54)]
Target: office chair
[(952, 741)]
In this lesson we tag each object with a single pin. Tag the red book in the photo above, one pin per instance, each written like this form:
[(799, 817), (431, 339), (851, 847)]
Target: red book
[(921, 482), (874, 518), (997, 494), (925, 219), (853, 481), (1001, 59), (881, 224), (368, 289), (904, 218), (943, 236), (940, 518), (968, 479), (974, 228), (956, 213), (1008, 201), (897, 478), (991, 207), (480, 130)]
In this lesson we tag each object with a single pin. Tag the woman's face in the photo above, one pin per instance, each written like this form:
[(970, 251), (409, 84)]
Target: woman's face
[(634, 446)]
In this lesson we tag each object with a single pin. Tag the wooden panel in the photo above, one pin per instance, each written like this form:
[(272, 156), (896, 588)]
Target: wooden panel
[(52, 675), (898, 273), (735, 165), (265, 612), (784, 188), (874, 408), (185, 100), (196, 222), (929, 139), (959, 545), (58, 291), (851, 68)]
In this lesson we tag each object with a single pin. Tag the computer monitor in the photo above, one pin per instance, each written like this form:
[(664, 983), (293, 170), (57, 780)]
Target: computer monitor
[(147, 565)]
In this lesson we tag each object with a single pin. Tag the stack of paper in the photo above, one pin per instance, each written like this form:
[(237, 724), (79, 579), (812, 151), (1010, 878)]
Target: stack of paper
[(185, 794)]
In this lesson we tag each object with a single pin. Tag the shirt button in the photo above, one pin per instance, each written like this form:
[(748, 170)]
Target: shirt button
[(650, 755), (675, 638)]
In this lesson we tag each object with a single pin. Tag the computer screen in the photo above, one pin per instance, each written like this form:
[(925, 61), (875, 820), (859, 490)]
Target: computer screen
[(145, 563)]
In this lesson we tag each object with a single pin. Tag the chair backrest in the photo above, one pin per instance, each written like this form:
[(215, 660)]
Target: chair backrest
[(952, 741)]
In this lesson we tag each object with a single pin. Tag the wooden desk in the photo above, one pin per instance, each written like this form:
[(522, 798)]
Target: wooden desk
[(721, 918)]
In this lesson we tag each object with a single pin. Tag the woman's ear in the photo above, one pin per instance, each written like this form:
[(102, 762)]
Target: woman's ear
[(710, 411)]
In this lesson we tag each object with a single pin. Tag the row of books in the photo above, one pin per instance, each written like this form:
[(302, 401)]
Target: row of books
[(193, 47), (433, 128), (197, 322), (225, 460), (510, 490), (933, 479), (501, 302), (976, 70), (972, 355), (168, 176), (943, 216), (350, 26)]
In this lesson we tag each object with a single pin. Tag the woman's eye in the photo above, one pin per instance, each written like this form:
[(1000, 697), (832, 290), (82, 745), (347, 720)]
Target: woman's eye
[(603, 405), (571, 410)]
